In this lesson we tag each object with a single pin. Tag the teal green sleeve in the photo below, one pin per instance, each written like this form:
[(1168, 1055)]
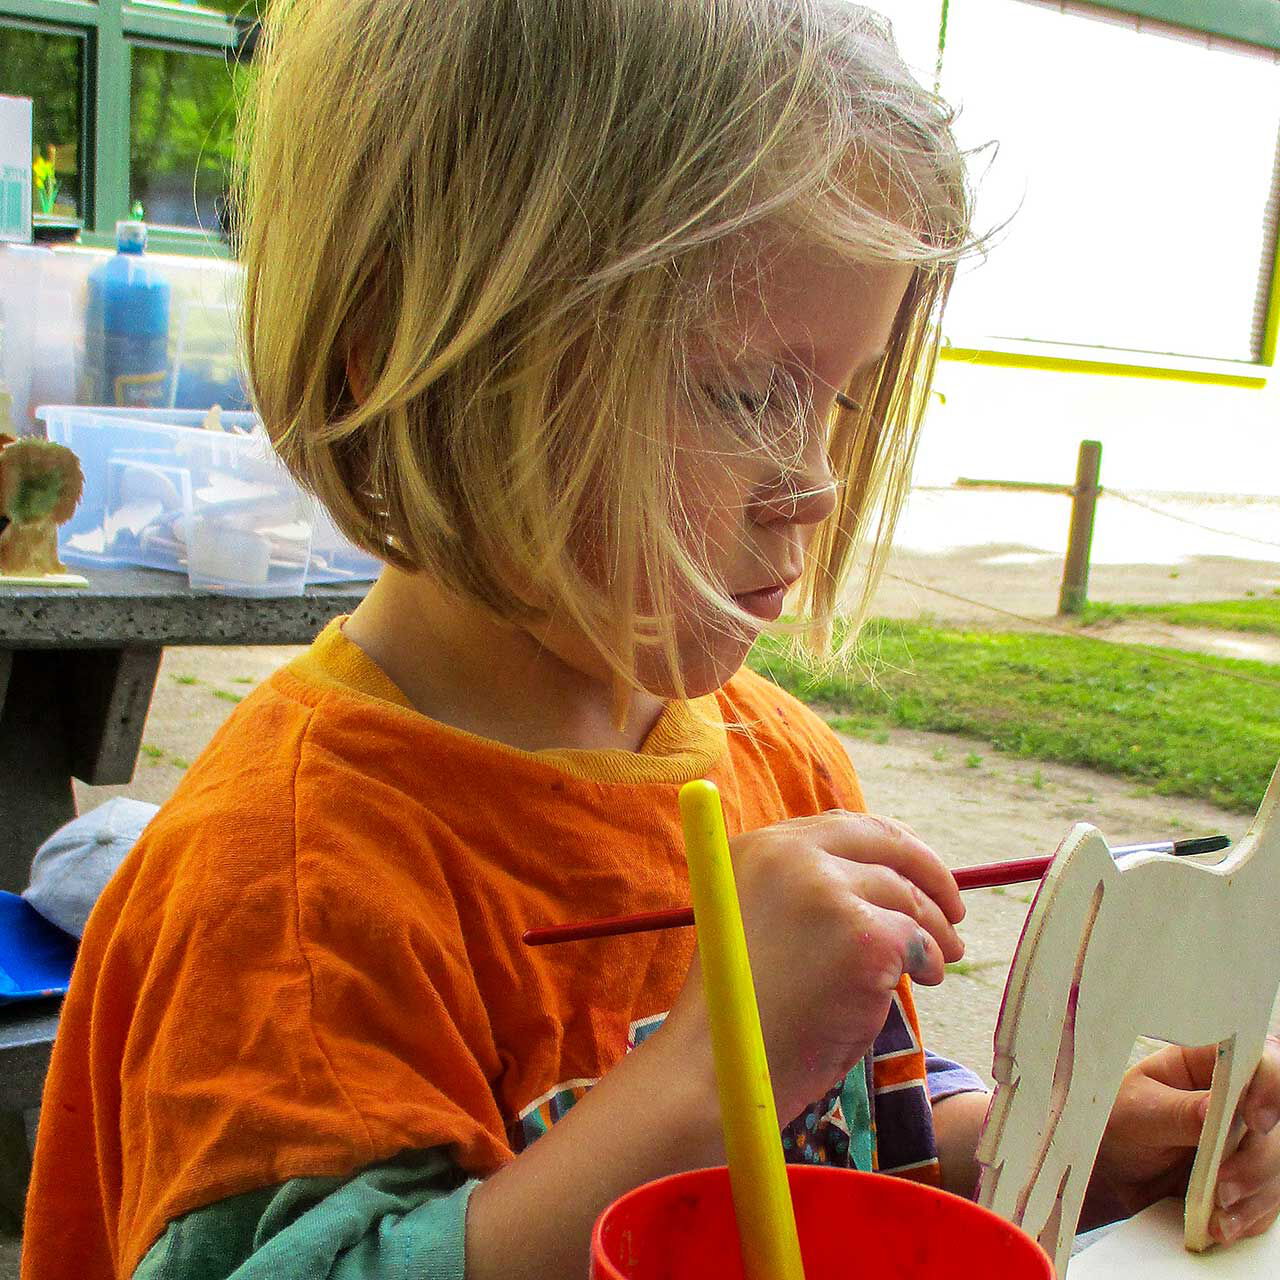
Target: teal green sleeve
[(403, 1218)]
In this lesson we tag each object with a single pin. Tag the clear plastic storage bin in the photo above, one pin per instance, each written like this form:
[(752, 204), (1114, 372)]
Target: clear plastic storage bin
[(162, 492), (333, 556)]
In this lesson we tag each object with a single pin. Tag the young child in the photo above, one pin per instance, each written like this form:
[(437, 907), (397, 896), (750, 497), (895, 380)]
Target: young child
[(605, 324)]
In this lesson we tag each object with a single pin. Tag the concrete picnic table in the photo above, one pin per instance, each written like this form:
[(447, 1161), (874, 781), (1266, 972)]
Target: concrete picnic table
[(77, 670)]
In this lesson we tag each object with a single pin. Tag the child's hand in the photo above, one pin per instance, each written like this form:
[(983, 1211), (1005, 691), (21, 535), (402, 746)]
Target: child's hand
[(1150, 1141), (836, 908)]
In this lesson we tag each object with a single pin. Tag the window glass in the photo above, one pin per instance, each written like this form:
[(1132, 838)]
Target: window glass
[(1135, 167), (182, 121), (47, 67)]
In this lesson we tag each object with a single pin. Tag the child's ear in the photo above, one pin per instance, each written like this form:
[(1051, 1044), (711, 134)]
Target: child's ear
[(361, 338), (357, 369)]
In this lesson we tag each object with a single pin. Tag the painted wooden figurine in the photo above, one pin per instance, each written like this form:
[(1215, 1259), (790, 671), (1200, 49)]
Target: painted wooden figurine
[(40, 485), (1155, 946)]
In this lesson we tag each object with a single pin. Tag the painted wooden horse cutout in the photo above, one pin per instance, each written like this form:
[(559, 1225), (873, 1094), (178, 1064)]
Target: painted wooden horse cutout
[(1154, 946)]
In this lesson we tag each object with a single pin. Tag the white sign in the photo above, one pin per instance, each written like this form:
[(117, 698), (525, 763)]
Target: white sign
[(15, 169)]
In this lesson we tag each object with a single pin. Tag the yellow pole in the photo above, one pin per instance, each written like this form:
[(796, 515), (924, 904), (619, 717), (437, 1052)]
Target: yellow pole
[(752, 1139)]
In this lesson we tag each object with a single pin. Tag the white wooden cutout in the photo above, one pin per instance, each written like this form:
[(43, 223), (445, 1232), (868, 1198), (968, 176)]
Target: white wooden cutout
[(1155, 946)]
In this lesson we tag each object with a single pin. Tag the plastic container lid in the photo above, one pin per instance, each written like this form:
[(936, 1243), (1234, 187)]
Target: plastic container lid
[(35, 956)]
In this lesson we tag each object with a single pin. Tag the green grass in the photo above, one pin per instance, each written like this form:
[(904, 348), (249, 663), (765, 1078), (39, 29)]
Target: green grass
[(1260, 614), (1181, 727), (227, 696), (185, 680), (967, 968)]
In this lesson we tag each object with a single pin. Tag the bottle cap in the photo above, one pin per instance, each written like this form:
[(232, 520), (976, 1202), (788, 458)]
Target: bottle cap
[(131, 237)]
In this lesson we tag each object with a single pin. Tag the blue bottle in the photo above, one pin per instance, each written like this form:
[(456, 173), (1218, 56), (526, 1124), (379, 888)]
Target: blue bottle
[(126, 358)]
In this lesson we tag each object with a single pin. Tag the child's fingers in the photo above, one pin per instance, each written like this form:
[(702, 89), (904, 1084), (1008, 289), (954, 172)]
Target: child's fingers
[(867, 838), (1248, 1217), (911, 950), (1260, 1108), (885, 888), (1252, 1169), (1265, 1212)]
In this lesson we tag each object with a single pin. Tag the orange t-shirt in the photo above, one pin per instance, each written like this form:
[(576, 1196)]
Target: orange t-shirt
[(312, 961)]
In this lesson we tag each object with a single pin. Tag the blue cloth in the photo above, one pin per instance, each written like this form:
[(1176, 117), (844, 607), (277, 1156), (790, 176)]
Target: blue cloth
[(947, 1078), (35, 956)]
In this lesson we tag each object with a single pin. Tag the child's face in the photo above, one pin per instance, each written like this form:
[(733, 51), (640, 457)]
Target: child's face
[(816, 320)]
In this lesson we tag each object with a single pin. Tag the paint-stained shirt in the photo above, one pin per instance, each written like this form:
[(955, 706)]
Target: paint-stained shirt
[(309, 972)]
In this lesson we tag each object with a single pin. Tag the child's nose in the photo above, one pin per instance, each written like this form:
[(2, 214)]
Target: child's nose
[(805, 496)]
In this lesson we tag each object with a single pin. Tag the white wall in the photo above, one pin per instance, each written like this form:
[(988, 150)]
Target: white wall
[(1027, 424)]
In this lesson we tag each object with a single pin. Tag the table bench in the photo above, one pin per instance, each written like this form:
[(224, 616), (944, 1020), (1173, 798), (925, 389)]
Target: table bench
[(26, 1040)]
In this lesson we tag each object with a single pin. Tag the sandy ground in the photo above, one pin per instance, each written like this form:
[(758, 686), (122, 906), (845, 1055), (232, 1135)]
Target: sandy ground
[(978, 584), (1173, 531), (995, 557)]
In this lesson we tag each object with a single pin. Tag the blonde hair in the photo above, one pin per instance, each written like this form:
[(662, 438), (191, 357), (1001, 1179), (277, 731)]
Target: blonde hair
[(514, 212)]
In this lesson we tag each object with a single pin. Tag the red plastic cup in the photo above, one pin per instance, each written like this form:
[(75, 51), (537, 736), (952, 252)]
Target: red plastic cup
[(852, 1226)]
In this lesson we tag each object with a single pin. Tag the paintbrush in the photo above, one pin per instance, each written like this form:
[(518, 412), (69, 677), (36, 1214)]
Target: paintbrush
[(988, 876)]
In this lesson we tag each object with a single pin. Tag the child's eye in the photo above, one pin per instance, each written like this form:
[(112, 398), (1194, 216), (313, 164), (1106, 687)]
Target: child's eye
[(734, 402)]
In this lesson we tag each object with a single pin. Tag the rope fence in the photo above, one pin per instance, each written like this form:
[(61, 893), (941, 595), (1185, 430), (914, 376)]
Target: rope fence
[(1195, 524), (1084, 494), (1124, 495)]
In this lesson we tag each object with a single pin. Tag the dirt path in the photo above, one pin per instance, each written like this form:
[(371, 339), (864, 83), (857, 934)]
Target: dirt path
[(1224, 644)]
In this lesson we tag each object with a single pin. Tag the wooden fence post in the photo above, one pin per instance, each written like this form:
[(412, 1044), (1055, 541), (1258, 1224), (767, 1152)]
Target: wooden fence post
[(1075, 569)]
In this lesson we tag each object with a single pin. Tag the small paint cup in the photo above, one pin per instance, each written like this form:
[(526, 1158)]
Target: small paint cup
[(850, 1225)]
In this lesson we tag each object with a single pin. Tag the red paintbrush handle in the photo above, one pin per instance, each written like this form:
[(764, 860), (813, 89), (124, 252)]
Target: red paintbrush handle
[(991, 874), (987, 876), (984, 877), (610, 926)]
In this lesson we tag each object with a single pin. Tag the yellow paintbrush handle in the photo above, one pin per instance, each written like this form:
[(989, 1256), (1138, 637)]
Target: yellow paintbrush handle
[(753, 1145)]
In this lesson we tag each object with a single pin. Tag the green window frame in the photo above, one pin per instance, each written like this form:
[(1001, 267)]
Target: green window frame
[(109, 29), (1249, 21)]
